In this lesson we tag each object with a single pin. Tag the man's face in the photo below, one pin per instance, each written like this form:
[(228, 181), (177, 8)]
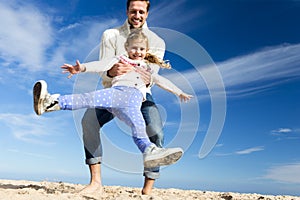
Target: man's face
[(137, 13)]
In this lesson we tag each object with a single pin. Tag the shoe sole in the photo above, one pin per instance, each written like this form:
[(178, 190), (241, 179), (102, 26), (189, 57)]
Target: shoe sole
[(39, 93), (168, 159)]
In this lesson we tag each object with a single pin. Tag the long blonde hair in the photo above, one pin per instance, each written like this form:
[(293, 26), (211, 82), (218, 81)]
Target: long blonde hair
[(151, 58)]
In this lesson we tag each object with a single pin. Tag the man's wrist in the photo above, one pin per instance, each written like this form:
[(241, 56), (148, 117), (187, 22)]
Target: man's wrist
[(150, 84), (107, 74)]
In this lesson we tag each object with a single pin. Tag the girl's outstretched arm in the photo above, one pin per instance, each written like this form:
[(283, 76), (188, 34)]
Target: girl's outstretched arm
[(185, 97), (166, 84), (73, 69), (93, 66)]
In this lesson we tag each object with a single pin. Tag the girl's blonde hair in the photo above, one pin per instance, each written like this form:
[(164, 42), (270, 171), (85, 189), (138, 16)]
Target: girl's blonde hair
[(137, 34)]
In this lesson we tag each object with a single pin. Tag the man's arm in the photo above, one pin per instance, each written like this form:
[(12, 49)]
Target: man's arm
[(118, 69), (157, 45), (108, 49)]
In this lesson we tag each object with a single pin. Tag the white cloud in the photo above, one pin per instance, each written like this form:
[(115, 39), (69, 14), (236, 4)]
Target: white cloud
[(173, 10), (31, 40), (243, 75), (282, 130), (219, 145), (250, 150), (32, 128), (69, 27), (288, 173), (248, 74), (241, 152), (261, 70), (286, 133), (25, 35)]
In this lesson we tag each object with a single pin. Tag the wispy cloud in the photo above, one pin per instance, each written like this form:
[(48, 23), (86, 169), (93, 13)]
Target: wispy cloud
[(172, 10), (261, 70), (287, 173), (250, 150), (31, 39), (31, 128), (69, 27), (25, 36), (33, 43), (248, 74), (286, 133), (219, 145), (50, 47), (243, 152), (282, 130)]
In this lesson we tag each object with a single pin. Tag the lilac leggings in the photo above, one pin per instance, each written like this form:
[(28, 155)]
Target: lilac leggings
[(124, 102)]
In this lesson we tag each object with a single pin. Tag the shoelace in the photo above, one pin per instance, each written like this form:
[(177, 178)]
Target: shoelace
[(50, 101), (156, 149)]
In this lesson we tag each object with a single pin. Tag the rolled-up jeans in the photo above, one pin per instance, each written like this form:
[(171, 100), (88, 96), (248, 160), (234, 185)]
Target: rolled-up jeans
[(94, 119)]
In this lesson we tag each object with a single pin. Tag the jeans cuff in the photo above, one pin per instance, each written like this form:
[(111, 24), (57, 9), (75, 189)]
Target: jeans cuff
[(92, 161), (152, 173)]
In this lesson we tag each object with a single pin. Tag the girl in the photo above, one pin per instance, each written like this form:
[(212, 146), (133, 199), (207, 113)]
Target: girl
[(123, 99)]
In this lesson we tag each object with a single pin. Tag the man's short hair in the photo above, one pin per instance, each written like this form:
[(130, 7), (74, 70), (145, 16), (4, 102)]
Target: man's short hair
[(147, 1)]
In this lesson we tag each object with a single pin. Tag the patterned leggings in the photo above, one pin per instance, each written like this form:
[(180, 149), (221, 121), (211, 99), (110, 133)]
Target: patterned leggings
[(124, 102)]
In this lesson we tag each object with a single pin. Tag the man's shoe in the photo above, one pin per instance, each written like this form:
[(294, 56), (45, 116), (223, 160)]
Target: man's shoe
[(155, 156), (42, 100)]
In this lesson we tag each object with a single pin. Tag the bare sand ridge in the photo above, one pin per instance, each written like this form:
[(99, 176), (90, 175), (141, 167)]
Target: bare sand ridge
[(29, 190)]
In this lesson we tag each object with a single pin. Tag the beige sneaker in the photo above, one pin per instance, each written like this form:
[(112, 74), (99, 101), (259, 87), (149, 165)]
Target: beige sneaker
[(155, 156), (42, 100)]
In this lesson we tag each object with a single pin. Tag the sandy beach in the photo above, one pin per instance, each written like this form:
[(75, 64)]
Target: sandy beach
[(30, 190)]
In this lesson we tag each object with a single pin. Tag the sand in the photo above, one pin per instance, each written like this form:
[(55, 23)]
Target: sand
[(29, 190)]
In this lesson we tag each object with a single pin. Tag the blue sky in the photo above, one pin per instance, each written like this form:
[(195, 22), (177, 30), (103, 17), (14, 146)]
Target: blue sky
[(243, 71)]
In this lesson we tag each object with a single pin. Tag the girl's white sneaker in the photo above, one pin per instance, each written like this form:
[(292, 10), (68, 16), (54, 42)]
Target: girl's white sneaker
[(42, 100)]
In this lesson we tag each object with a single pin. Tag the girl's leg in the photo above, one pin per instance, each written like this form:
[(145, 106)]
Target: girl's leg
[(45, 102), (96, 99), (132, 116), (124, 102)]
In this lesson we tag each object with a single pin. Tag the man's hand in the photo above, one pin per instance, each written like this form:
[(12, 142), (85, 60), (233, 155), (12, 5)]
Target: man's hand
[(119, 68)]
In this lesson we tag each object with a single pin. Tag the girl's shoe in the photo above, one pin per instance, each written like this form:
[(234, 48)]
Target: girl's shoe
[(42, 100)]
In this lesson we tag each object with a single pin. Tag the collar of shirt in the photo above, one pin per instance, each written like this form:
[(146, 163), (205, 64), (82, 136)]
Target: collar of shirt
[(126, 26)]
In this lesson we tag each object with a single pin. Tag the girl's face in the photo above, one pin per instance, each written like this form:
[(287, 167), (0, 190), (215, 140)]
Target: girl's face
[(137, 49)]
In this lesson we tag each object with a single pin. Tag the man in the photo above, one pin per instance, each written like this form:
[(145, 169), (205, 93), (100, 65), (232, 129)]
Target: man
[(112, 44)]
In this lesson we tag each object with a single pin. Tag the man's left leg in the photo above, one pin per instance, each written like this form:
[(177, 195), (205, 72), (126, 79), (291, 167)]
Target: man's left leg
[(154, 131)]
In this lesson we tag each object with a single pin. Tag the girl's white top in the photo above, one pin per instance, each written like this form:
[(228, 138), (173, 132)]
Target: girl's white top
[(133, 79)]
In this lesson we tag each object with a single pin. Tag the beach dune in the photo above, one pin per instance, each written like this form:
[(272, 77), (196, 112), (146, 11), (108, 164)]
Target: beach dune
[(30, 190)]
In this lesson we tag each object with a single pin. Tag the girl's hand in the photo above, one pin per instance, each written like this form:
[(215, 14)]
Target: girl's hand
[(73, 69), (185, 97)]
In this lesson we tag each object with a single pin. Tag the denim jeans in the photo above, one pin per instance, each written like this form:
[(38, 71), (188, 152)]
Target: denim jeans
[(94, 119)]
